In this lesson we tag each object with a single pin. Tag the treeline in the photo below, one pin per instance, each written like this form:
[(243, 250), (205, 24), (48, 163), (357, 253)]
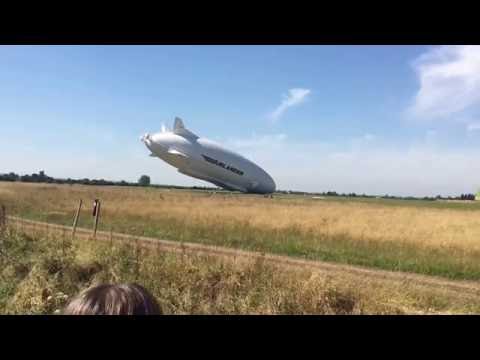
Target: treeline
[(334, 193), (467, 197), (144, 180), (41, 177)]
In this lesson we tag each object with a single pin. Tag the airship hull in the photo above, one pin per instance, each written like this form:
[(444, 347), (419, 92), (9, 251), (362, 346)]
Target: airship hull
[(205, 160)]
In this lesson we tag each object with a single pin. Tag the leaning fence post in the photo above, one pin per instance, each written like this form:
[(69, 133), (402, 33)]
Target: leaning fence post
[(2, 216), (96, 213), (63, 242), (137, 262), (75, 221)]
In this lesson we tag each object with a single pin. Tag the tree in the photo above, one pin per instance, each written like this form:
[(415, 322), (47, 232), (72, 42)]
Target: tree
[(144, 180)]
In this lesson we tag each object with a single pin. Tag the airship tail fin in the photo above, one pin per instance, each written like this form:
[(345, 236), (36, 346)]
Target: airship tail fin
[(180, 129), (178, 124)]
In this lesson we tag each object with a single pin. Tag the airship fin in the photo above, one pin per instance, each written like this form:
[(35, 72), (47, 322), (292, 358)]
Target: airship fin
[(180, 129), (193, 174), (178, 124), (177, 153), (216, 182), (228, 186)]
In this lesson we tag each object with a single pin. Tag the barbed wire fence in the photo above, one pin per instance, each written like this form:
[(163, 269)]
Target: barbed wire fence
[(106, 235)]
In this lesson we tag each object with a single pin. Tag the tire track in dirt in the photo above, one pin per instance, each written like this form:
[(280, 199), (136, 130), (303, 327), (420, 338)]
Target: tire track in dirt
[(30, 226)]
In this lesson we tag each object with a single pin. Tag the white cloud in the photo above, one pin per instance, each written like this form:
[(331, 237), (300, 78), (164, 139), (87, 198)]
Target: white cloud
[(473, 127), (257, 141), (371, 167), (74, 157), (449, 81), (431, 138), (360, 165), (294, 97)]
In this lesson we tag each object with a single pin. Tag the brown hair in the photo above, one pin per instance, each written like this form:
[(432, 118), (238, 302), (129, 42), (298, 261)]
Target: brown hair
[(107, 299)]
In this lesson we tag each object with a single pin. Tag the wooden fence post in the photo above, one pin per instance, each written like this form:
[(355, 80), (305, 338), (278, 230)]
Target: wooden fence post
[(63, 243), (137, 264), (3, 216), (75, 221), (97, 215)]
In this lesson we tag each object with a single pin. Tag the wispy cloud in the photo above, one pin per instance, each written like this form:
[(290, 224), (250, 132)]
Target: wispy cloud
[(368, 137), (256, 141), (473, 127), (361, 141), (449, 81), (364, 166), (293, 98)]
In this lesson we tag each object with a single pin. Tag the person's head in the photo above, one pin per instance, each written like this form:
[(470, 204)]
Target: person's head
[(106, 299)]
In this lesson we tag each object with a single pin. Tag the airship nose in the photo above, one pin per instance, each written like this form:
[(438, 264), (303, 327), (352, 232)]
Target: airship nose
[(143, 137), (146, 139)]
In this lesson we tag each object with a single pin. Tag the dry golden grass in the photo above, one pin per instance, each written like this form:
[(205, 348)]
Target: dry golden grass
[(419, 225), (436, 240), (38, 277)]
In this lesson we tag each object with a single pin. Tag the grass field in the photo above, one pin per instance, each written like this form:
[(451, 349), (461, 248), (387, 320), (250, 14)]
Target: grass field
[(37, 276), (433, 238)]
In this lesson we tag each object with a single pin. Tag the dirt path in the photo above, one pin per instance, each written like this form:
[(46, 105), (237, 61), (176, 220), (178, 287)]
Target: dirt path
[(29, 226)]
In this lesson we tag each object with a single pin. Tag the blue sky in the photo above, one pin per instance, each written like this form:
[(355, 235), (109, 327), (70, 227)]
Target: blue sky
[(400, 120)]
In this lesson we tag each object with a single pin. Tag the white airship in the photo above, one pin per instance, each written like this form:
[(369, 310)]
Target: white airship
[(205, 160)]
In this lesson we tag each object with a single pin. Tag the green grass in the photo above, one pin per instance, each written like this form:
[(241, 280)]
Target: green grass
[(449, 262), (437, 204), (38, 277), (398, 254)]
